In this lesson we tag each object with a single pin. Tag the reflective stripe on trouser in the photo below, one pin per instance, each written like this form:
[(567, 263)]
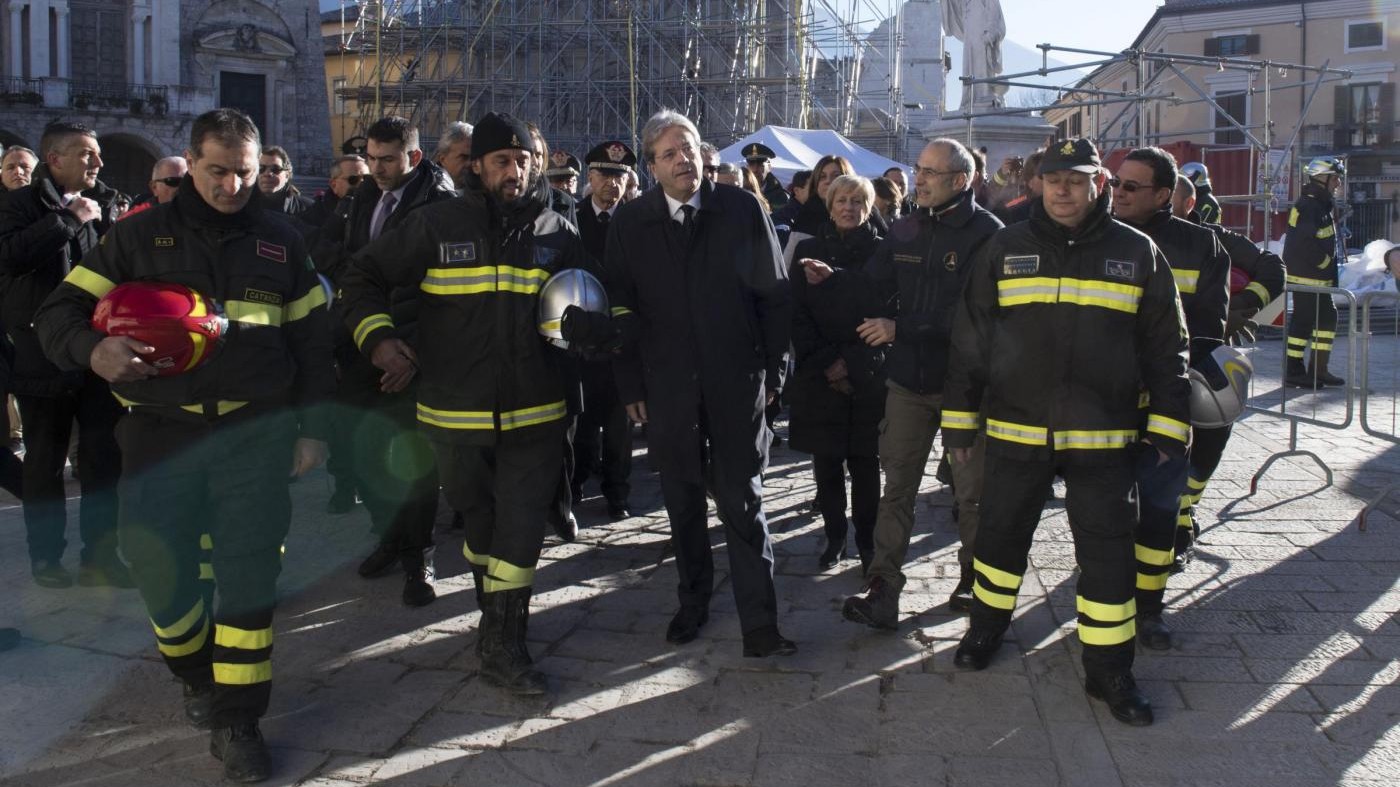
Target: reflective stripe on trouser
[(1103, 516), (1207, 446), (1160, 488), (503, 492), (187, 485), (906, 438), (1314, 318)]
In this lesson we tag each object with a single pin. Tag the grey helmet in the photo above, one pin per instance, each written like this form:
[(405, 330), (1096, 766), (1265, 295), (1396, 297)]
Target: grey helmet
[(1197, 173), (572, 287), (1213, 408)]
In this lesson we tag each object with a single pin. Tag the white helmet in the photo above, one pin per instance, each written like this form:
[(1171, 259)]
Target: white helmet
[(571, 287), (1216, 405), (1197, 173)]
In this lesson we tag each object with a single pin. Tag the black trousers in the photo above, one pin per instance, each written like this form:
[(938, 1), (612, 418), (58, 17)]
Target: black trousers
[(1314, 320), (830, 473), (226, 479), (603, 438), (1207, 446), (1103, 515), (1160, 490), (48, 424), (504, 492), (397, 475), (739, 499)]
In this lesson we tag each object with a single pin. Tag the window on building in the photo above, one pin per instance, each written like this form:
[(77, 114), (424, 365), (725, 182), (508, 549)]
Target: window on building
[(1076, 125), (1235, 106), (337, 85), (1232, 45), (1365, 35), (1062, 129)]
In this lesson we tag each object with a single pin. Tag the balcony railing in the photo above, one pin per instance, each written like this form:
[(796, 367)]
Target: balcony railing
[(1334, 137), (19, 90), (134, 98)]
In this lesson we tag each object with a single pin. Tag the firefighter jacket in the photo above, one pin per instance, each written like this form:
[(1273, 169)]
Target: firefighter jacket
[(1264, 269), (276, 351), (1057, 334), (1200, 267), (1207, 205), (486, 374), (1310, 245), (920, 269)]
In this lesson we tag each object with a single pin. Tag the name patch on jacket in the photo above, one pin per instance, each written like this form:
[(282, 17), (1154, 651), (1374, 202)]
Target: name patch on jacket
[(165, 242), (1020, 264), (271, 251), (453, 253), (1119, 269), (262, 296), (912, 259)]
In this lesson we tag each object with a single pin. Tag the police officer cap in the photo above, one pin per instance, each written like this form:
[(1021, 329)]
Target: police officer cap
[(1077, 154), (611, 157), (498, 132), (757, 151), (562, 165)]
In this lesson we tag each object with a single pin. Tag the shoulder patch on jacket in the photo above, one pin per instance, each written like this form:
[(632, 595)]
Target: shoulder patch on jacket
[(453, 253), (1119, 269), (271, 251), (1020, 264)]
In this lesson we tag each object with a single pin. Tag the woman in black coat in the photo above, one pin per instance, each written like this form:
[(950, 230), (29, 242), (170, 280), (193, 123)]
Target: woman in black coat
[(838, 391)]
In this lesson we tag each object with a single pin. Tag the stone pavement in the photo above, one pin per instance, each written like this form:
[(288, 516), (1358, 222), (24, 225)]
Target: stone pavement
[(1284, 672)]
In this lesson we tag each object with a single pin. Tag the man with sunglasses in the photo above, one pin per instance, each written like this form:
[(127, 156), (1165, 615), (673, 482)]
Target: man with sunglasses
[(166, 176), (346, 174), (275, 183)]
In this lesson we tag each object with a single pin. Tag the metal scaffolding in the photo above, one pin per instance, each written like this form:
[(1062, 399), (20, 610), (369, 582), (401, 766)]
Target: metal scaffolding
[(587, 70)]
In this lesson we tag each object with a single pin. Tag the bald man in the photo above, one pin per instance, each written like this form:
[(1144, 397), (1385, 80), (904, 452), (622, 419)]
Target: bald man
[(165, 181)]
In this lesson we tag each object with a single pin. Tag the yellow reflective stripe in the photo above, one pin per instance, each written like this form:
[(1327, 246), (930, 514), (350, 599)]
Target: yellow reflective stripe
[(206, 571), (1198, 484), (1326, 232), (551, 325), (1152, 581), (1152, 557), (1324, 334), (457, 419), (243, 639), (253, 313), (473, 281), (993, 598), (472, 557), (1293, 217), (90, 281), (303, 306), (1168, 427), (532, 416), (1311, 282), (1001, 578), (220, 408), (1184, 520), (1089, 439), (959, 419), (501, 575), (1186, 281), (182, 626), (369, 324), (619, 311), (185, 648), (1107, 613), (206, 541), (1260, 290), (1017, 433), (1105, 295), (1111, 635), (242, 674), (1034, 289)]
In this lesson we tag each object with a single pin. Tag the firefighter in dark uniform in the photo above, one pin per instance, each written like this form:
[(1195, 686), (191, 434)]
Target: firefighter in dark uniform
[(391, 462), (1206, 203), (756, 158), (603, 412), (211, 449), (1142, 199), (563, 172), (1256, 279), (1310, 251), (491, 398), (1063, 318)]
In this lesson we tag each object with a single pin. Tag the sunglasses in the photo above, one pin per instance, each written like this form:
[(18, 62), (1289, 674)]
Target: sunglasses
[(353, 180), (173, 183), (273, 168), (1129, 186)]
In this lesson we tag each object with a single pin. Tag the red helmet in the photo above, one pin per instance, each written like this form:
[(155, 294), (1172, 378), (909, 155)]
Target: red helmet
[(180, 323)]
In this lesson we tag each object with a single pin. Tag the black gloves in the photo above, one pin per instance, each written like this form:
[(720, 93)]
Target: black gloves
[(590, 332)]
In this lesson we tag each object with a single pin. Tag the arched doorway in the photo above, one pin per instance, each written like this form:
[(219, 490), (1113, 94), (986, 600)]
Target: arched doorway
[(9, 140), (126, 163)]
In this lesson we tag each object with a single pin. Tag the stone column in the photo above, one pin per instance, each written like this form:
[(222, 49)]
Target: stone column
[(138, 44), (16, 44), (64, 58)]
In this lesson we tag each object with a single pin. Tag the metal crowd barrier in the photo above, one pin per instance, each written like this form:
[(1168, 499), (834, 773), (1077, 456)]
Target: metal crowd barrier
[(1368, 314)]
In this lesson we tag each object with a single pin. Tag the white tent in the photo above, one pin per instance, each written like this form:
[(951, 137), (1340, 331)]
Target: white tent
[(800, 148)]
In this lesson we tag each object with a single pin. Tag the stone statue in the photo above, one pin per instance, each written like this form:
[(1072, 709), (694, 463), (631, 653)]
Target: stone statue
[(980, 26)]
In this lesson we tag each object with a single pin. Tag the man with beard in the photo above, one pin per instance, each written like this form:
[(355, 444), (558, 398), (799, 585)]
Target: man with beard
[(491, 398)]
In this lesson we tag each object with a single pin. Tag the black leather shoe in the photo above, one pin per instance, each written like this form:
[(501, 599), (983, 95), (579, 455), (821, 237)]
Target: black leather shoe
[(878, 608), (383, 558), (108, 573), (576, 494), (343, 499), (242, 751), (417, 590), (619, 511), (685, 626), (9, 639), (832, 556), (199, 703), (1153, 632), (566, 528), (976, 649), (1120, 692), (961, 599), (51, 574), (765, 642)]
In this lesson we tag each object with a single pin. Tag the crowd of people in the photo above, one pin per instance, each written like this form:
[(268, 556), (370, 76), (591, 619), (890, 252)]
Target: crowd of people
[(1048, 317)]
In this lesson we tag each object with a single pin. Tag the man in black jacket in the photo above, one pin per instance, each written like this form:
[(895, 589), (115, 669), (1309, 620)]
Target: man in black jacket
[(921, 266), (275, 183), (45, 229), (696, 277), (390, 463), (210, 449), (1310, 251), (346, 174), (757, 157)]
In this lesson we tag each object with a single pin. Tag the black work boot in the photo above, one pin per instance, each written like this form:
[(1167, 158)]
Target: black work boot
[(199, 702), (505, 660), (1319, 369), (1153, 632), (242, 751), (1184, 548), (418, 578), (961, 600), (1119, 691), (878, 608), (1296, 375), (378, 562), (977, 648)]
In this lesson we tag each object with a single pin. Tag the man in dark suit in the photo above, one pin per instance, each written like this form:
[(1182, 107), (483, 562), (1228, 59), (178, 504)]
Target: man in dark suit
[(696, 278)]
